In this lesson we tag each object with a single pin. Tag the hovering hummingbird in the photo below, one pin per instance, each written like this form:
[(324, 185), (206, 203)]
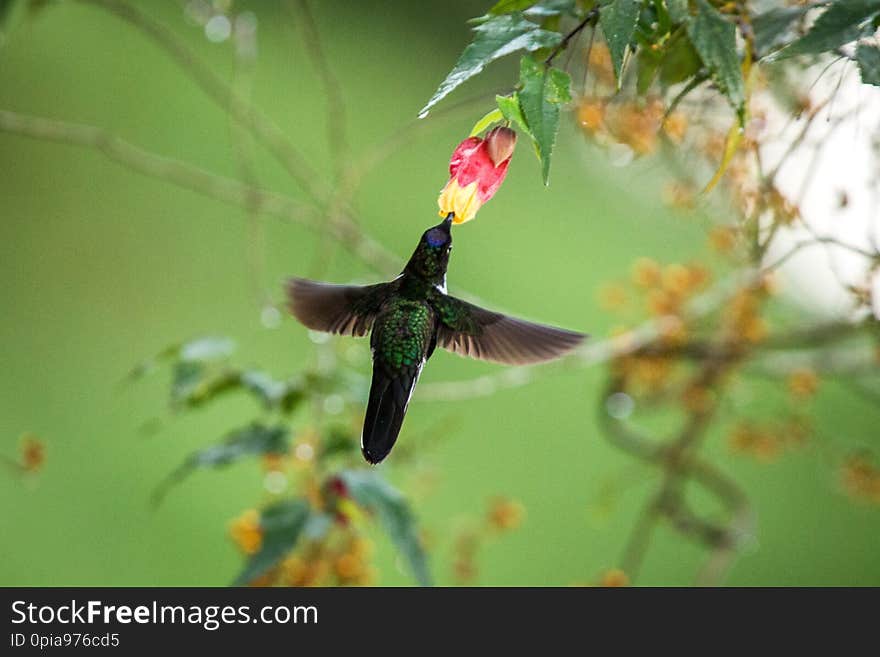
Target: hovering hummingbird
[(407, 318)]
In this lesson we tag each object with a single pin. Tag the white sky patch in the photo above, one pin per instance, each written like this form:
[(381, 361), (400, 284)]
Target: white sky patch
[(837, 188)]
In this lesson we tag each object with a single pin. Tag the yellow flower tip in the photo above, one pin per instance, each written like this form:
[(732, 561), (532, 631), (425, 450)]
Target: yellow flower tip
[(462, 202)]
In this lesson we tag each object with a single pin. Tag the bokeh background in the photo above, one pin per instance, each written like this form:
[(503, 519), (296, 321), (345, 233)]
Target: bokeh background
[(102, 267)]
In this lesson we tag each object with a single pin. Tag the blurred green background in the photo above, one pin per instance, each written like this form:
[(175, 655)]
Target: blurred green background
[(103, 267)]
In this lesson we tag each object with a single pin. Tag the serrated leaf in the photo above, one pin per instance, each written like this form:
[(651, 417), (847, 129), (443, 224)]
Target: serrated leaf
[(496, 37), (544, 90), (488, 119), (714, 38), (281, 525), (840, 24), (868, 57), (618, 20), (772, 27), (251, 441), (372, 492)]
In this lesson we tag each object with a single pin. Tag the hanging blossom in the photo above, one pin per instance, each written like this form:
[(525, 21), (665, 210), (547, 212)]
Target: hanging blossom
[(476, 171)]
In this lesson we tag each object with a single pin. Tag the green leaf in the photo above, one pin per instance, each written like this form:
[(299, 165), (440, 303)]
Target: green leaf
[(544, 90), (339, 440), (618, 20), (194, 383), (250, 441), (680, 62), (496, 37), (773, 27), (868, 57), (372, 492), (509, 106), (281, 523), (488, 119), (841, 23), (507, 6), (714, 38), (550, 8)]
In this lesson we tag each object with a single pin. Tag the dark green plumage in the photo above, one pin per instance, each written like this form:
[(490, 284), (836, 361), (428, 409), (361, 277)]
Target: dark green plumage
[(408, 317)]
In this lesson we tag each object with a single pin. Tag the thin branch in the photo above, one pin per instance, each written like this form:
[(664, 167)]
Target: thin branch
[(199, 180), (591, 17), (336, 108), (264, 128)]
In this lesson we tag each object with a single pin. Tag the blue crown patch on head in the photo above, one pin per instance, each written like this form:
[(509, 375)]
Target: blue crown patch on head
[(437, 237)]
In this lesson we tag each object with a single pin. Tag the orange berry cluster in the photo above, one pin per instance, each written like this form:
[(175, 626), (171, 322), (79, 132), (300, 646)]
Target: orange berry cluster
[(340, 558), (637, 124), (663, 291), (767, 442), (860, 477), (743, 323)]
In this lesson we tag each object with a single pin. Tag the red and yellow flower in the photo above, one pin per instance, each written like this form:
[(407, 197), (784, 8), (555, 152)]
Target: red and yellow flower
[(476, 170)]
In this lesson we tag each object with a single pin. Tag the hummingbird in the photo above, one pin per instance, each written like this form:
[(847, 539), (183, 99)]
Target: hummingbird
[(407, 318)]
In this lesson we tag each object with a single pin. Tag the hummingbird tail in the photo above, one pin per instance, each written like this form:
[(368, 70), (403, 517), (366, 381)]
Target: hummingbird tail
[(389, 398)]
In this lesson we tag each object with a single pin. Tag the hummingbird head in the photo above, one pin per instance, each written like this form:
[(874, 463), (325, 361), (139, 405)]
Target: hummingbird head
[(431, 257)]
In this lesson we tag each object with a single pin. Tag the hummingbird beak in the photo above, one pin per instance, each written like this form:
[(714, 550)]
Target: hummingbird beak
[(447, 223)]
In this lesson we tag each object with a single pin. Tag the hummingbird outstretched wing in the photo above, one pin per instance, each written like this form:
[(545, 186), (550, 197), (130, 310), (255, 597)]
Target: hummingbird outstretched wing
[(468, 330), (340, 309)]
